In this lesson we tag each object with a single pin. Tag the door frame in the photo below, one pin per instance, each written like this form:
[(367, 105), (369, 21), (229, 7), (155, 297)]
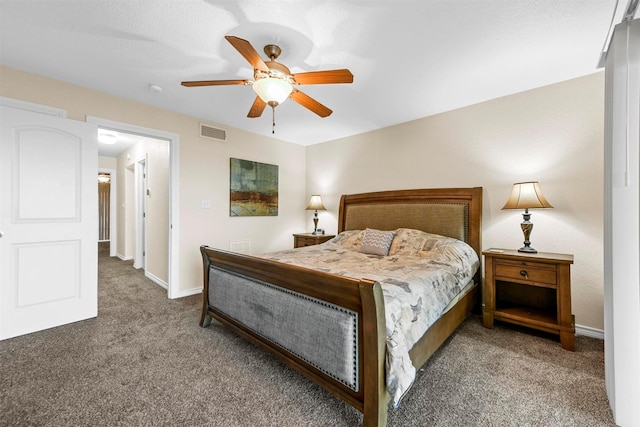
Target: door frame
[(174, 222), (34, 108), (140, 177)]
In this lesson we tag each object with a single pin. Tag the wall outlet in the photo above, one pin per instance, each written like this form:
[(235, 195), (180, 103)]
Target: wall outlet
[(206, 204)]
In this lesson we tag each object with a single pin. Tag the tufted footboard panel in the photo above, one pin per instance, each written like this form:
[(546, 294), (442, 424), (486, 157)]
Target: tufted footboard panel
[(290, 320)]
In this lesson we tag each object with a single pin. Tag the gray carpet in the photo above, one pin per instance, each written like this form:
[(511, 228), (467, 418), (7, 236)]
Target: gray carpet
[(145, 362)]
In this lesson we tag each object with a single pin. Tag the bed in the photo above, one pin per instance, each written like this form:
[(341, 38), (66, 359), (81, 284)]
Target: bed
[(331, 327)]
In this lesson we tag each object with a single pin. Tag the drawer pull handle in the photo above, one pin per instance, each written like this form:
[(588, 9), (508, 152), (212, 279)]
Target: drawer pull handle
[(524, 274)]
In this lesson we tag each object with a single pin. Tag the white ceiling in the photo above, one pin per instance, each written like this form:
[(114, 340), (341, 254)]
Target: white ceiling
[(124, 141), (410, 59)]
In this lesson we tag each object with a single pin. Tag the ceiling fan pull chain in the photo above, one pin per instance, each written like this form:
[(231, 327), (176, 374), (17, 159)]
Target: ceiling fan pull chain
[(273, 119)]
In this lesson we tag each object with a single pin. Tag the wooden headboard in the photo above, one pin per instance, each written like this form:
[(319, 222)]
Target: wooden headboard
[(453, 212)]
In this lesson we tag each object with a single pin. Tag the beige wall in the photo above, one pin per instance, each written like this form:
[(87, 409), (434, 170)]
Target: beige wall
[(552, 134), (203, 169), (156, 156), (107, 162)]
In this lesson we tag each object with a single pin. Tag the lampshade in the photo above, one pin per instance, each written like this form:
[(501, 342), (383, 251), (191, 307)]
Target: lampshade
[(315, 203), (272, 89), (526, 195)]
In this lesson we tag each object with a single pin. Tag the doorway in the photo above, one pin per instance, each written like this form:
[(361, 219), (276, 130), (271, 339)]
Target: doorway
[(107, 204), (146, 232), (104, 207)]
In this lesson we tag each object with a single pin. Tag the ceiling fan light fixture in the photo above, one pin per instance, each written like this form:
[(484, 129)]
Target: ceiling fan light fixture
[(272, 90)]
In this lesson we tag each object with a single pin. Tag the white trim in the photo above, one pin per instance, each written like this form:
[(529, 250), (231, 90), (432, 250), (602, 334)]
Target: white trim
[(140, 187), (590, 332), (174, 211), (156, 279), (620, 14), (189, 292), (34, 108), (124, 258)]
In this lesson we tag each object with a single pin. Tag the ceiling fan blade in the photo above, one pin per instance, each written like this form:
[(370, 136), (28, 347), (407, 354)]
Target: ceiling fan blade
[(249, 53), (257, 108), (311, 104), (214, 83), (324, 77)]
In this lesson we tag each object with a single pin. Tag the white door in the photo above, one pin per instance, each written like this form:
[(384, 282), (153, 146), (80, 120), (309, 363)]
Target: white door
[(48, 221)]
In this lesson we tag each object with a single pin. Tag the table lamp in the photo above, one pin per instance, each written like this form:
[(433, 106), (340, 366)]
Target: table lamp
[(315, 204), (526, 195)]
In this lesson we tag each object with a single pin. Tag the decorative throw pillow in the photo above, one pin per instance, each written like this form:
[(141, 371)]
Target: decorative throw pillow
[(376, 242), (408, 242), (350, 239)]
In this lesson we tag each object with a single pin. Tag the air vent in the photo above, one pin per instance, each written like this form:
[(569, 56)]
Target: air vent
[(210, 132)]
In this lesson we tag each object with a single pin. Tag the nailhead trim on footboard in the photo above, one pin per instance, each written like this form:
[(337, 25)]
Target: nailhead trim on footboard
[(290, 320)]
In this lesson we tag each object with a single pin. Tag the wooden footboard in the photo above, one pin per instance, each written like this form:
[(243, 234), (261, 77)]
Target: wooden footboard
[(453, 212), (363, 297)]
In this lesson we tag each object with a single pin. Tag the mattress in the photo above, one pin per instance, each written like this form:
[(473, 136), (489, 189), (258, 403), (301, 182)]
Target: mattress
[(421, 276)]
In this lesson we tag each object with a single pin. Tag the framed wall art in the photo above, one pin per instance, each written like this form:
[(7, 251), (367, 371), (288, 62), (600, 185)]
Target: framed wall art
[(253, 188)]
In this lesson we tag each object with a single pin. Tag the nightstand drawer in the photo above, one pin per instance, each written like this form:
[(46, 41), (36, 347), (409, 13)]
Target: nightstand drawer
[(301, 240), (306, 241), (526, 271)]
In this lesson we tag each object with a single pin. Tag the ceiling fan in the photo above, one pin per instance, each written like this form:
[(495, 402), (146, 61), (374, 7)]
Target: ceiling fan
[(274, 83)]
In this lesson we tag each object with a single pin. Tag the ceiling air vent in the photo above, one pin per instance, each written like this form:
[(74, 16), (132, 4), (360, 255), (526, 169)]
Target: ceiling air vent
[(210, 132)]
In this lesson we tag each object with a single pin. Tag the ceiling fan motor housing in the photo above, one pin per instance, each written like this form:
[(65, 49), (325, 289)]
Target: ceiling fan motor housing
[(272, 51), (276, 70)]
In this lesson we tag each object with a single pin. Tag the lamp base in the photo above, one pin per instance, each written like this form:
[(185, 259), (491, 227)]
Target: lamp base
[(316, 230), (527, 226)]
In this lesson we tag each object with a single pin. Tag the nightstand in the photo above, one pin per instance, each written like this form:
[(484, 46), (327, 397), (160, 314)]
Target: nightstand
[(310, 239), (529, 289)]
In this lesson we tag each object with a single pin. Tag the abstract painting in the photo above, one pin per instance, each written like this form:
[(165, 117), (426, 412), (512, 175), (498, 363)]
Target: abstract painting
[(254, 189)]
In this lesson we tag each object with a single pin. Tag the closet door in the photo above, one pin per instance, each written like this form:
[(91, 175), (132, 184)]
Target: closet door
[(622, 224)]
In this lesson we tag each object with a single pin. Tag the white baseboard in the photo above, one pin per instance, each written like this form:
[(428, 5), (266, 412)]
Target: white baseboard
[(590, 332), (188, 292), (156, 279), (124, 258)]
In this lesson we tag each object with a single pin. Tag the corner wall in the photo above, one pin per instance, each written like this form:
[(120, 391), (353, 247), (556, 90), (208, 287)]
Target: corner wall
[(552, 134)]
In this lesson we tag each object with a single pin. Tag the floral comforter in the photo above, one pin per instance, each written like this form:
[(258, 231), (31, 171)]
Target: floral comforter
[(420, 275)]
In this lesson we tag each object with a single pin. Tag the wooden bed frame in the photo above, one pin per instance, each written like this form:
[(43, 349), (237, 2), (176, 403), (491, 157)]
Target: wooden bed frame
[(425, 209)]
